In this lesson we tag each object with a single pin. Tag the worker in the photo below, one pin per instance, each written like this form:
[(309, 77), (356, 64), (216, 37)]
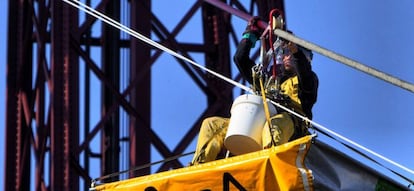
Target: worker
[(296, 88)]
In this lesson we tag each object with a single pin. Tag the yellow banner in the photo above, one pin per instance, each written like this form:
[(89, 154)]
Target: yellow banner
[(277, 168)]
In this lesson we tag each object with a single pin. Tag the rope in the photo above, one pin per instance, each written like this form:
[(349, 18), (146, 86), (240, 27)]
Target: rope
[(368, 157), (139, 167), (139, 36), (324, 129), (272, 48), (280, 33), (266, 110)]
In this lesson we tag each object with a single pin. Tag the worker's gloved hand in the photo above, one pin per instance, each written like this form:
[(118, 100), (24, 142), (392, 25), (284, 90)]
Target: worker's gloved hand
[(253, 28)]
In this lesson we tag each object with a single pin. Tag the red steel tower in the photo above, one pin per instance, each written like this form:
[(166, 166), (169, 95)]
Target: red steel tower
[(75, 83)]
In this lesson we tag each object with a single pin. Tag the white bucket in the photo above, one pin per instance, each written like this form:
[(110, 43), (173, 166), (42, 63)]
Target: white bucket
[(247, 119)]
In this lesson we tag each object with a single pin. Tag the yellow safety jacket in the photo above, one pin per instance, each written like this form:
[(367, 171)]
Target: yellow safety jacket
[(290, 87)]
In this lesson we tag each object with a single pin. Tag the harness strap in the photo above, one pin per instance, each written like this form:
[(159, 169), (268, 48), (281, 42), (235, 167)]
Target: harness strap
[(266, 109)]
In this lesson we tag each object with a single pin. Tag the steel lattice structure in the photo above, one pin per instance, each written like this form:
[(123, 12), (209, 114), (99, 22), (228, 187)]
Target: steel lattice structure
[(49, 66)]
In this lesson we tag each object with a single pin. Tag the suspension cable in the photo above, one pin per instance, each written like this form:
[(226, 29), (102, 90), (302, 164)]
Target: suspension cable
[(342, 59), (330, 54)]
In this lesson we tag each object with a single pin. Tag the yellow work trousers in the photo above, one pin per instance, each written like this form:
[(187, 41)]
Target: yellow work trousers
[(210, 139), (213, 131), (281, 129)]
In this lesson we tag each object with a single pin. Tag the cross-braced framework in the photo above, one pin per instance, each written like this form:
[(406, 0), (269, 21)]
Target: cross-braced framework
[(79, 90)]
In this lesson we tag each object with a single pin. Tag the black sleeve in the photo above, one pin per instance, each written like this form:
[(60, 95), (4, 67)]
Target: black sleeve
[(243, 61), (308, 82)]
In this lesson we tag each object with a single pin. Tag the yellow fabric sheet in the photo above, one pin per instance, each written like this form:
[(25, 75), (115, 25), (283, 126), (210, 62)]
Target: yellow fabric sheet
[(277, 168)]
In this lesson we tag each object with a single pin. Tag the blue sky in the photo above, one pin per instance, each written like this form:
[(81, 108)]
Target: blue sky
[(367, 110), (362, 108)]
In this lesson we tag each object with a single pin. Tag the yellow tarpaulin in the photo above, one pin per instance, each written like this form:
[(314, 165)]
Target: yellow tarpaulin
[(277, 168)]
